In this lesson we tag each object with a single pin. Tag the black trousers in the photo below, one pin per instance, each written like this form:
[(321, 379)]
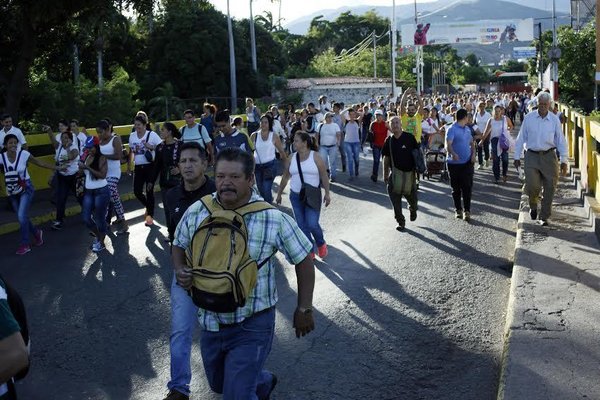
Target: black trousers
[(461, 180), (143, 186)]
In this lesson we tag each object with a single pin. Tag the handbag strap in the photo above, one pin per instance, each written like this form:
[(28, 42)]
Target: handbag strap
[(299, 168), (258, 132)]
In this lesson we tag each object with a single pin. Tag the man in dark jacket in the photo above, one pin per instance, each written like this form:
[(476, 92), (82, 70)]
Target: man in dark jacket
[(195, 184)]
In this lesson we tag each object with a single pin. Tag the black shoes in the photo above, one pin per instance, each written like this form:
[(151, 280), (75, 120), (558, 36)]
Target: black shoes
[(273, 384), (175, 395), (374, 178), (533, 213), (413, 215)]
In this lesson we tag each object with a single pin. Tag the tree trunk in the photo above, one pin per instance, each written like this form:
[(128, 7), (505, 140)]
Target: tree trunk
[(18, 82)]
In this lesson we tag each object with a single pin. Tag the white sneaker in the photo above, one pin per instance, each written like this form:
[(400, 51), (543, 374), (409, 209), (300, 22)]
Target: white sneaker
[(97, 247)]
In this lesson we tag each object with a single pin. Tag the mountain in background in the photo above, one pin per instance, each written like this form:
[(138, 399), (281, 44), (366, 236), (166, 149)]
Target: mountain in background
[(453, 10)]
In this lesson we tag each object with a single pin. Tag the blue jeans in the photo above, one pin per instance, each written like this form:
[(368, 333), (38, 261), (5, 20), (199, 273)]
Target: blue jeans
[(21, 204), (496, 159), (235, 356), (184, 318), (352, 152), (308, 220), (376, 160), (264, 184), (96, 201), (329, 156)]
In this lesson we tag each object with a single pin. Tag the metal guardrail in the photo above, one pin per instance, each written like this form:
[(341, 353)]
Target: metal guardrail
[(583, 138)]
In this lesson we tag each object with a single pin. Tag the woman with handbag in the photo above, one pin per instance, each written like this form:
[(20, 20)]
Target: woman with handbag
[(307, 173), (399, 170), (97, 195), (497, 126), (167, 162), (142, 143), (67, 154), (266, 143), (14, 162)]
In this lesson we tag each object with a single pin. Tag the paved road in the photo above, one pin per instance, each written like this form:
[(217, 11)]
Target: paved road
[(413, 315)]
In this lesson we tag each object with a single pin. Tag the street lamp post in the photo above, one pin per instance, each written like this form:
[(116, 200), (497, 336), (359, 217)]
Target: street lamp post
[(393, 44), (252, 40), (232, 77)]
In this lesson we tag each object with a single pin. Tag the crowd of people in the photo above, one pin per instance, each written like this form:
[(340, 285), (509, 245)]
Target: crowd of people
[(464, 129)]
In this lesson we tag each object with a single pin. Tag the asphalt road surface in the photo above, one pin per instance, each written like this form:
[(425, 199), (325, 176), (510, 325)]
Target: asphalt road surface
[(412, 315)]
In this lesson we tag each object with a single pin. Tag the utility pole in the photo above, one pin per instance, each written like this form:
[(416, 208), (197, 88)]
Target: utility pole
[(232, 77), (374, 55), (555, 54), (252, 40), (393, 46), (541, 57), (419, 58)]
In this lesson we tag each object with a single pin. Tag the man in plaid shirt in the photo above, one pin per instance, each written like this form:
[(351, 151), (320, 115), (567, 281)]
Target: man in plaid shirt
[(235, 345)]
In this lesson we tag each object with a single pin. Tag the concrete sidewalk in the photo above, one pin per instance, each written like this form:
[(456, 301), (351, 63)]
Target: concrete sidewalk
[(553, 319)]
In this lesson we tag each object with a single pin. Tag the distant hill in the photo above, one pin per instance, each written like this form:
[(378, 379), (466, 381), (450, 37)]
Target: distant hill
[(462, 10), (476, 10)]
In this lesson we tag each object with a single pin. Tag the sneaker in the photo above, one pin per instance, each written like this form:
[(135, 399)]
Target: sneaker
[(458, 214), (480, 166), (533, 213), (98, 246), (23, 249), (38, 238), (467, 216), (504, 178), (487, 163), (413, 215), (175, 395), (57, 225), (332, 180), (322, 250), (123, 228), (401, 225), (374, 178), (273, 384), (149, 221), (543, 222)]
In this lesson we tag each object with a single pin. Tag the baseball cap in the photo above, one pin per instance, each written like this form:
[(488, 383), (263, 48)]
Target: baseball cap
[(378, 112), (91, 142)]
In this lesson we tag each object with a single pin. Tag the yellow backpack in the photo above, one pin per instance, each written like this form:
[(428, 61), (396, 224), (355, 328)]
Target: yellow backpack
[(224, 273)]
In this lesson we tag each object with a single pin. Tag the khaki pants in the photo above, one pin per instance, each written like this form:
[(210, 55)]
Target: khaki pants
[(396, 200), (541, 170)]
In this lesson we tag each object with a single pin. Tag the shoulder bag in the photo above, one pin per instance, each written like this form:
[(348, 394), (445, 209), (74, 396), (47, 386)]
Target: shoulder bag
[(309, 195)]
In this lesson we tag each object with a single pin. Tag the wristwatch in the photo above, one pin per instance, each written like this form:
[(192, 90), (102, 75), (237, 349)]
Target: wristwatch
[(303, 310)]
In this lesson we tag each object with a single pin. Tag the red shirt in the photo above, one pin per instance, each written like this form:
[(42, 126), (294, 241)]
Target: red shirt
[(380, 133)]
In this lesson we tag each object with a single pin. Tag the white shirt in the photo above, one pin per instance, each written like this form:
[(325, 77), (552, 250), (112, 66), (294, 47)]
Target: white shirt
[(113, 166), (136, 145), (541, 133), (12, 131), (62, 156), (427, 126), (78, 140), (310, 172), (328, 134), (482, 120), (22, 167), (193, 135), (277, 128)]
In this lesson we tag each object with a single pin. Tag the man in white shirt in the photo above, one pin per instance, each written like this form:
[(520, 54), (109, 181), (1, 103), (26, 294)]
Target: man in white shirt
[(194, 132), (328, 137), (541, 135), (8, 128), (481, 118)]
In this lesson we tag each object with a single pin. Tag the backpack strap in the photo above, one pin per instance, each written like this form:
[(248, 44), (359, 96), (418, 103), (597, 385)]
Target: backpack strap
[(253, 207), (211, 205)]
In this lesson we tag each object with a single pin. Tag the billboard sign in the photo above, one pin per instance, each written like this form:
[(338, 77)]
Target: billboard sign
[(524, 52), (481, 32)]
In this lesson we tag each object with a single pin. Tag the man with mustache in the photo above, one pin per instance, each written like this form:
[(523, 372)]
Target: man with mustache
[(195, 184), (236, 345)]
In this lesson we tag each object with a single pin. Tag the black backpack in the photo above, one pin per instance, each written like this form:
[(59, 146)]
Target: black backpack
[(17, 308)]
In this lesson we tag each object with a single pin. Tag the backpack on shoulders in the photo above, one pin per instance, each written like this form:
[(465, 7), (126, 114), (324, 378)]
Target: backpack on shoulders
[(224, 274), (200, 126), (12, 180)]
